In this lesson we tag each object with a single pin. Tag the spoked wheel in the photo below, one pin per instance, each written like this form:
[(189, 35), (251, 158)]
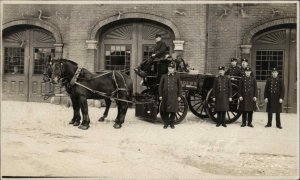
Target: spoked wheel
[(183, 109), (232, 115), (196, 104)]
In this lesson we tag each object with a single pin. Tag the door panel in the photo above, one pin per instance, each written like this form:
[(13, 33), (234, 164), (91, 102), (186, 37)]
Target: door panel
[(25, 53)]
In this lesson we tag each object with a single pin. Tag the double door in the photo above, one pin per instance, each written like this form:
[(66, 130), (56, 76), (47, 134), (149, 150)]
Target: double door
[(26, 53)]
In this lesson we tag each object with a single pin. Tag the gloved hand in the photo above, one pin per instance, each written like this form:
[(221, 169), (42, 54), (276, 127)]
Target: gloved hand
[(241, 98), (179, 98), (280, 100), (266, 100), (214, 99), (160, 98), (230, 99), (254, 98)]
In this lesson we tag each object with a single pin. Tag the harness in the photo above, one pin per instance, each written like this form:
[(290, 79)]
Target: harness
[(106, 95)]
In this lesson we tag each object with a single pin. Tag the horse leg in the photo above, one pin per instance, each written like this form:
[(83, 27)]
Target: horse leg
[(117, 124), (76, 117), (107, 106), (124, 108), (85, 114)]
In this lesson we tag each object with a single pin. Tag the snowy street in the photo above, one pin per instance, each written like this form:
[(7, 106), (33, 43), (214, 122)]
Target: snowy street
[(38, 141)]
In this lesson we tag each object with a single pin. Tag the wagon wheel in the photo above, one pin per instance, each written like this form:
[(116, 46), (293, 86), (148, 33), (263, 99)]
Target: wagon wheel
[(232, 115), (196, 104), (183, 109)]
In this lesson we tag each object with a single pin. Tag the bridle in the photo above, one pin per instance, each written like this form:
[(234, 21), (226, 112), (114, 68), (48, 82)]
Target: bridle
[(57, 72)]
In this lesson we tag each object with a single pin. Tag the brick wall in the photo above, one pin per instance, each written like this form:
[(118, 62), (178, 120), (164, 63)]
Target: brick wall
[(225, 33), (75, 21), (209, 39)]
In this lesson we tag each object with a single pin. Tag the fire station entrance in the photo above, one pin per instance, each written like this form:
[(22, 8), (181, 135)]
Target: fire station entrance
[(276, 47), (26, 50), (125, 45)]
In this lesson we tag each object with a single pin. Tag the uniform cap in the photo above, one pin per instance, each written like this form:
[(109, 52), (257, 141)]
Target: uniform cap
[(233, 59), (221, 68), (247, 69), (244, 59), (274, 69), (157, 35)]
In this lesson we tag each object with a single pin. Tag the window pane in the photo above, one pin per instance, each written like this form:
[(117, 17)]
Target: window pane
[(41, 59), (117, 57), (14, 60), (265, 61)]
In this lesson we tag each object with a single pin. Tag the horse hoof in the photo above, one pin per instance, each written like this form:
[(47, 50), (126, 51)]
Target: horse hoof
[(71, 122), (101, 119), (117, 126), (76, 123), (83, 127)]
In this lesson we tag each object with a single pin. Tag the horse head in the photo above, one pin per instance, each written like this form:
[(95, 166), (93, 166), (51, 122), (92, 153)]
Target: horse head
[(62, 70)]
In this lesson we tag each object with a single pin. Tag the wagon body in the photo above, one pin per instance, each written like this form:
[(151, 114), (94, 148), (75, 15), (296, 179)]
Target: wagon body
[(196, 96)]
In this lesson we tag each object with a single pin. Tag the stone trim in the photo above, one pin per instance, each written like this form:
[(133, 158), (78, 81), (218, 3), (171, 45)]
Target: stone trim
[(43, 24), (178, 45), (91, 44), (249, 34), (94, 29)]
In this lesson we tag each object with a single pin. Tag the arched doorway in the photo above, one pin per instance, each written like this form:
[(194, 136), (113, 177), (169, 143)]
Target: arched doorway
[(276, 47), (26, 50), (124, 44)]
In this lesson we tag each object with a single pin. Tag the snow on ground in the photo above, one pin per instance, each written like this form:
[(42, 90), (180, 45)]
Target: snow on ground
[(38, 141)]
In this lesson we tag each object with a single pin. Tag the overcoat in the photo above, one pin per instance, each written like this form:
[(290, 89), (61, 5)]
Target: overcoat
[(233, 71), (247, 90), (170, 89), (222, 91), (274, 91), (160, 49)]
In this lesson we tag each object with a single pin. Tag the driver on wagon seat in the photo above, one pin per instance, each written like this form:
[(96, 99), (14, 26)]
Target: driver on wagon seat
[(159, 54)]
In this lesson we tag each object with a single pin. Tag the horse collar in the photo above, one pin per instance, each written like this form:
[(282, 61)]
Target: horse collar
[(75, 77)]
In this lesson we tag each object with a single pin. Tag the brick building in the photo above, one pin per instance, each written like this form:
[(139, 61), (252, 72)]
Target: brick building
[(118, 36)]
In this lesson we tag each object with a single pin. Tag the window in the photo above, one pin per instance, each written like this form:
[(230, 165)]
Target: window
[(266, 60), (14, 60), (117, 57), (41, 58)]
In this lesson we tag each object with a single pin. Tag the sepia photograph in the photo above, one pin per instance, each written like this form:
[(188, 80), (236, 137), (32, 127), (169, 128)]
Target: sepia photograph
[(149, 89)]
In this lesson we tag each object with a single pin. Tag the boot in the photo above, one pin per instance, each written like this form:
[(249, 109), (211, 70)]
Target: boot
[(269, 124), (223, 120), (172, 120), (165, 126), (278, 123), (243, 123), (250, 123)]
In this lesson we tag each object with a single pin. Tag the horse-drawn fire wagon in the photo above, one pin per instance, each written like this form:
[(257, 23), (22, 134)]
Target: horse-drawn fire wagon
[(196, 96)]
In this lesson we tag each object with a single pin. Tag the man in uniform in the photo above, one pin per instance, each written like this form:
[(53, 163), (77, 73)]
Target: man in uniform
[(159, 53), (234, 70), (274, 94), (222, 92), (169, 94), (244, 66), (181, 66), (247, 97)]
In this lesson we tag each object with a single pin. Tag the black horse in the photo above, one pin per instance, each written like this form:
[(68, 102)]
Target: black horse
[(82, 85), (47, 78)]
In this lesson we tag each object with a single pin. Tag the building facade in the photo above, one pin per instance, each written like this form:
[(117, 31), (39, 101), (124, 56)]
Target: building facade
[(117, 36)]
